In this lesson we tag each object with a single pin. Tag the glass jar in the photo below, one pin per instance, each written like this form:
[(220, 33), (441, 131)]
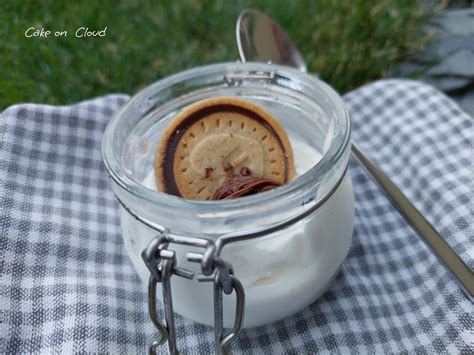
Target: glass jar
[(282, 270)]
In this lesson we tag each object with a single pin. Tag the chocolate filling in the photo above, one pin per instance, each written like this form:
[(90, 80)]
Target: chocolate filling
[(172, 144), (243, 185)]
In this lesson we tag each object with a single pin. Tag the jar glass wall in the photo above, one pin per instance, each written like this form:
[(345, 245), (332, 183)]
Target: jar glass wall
[(283, 271)]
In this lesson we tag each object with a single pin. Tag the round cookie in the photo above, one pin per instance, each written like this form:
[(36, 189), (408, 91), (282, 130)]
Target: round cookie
[(211, 141)]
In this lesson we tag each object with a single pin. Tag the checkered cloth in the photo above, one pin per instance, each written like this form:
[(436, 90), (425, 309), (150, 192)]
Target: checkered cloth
[(67, 285)]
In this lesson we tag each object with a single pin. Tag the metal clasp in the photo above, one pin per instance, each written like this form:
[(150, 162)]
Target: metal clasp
[(162, 264), (237, 78)]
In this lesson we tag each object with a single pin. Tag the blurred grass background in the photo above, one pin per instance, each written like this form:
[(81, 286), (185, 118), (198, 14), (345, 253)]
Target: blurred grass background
[(348, 42)]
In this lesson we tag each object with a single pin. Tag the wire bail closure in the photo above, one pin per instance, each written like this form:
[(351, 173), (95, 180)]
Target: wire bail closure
[(162, 264)]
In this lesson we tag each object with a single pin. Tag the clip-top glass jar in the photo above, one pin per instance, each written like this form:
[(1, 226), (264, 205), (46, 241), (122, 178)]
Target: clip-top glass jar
[(282, 270)]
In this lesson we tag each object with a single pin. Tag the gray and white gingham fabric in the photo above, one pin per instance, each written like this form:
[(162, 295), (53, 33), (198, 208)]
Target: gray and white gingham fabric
[(67, 286)]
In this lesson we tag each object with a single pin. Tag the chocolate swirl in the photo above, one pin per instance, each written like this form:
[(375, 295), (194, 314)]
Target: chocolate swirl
[(243, 185)]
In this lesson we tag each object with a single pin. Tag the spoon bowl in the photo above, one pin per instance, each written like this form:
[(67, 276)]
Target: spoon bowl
[(261, 39)]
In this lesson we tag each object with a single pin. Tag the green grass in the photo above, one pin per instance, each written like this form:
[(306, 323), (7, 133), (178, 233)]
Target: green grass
[(347, 42)]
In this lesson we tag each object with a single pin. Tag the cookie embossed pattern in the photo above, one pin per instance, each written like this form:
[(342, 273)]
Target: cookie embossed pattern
[(211, 141)]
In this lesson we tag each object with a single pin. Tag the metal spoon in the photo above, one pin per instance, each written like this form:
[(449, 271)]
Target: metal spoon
[(260, 39)]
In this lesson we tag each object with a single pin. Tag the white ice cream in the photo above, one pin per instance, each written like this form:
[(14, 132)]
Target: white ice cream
[(281, 273)]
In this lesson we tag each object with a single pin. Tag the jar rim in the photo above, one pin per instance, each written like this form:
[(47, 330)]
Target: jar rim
[(334, 153)]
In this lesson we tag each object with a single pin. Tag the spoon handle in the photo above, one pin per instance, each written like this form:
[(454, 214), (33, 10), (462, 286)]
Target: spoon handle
[(430, 236)]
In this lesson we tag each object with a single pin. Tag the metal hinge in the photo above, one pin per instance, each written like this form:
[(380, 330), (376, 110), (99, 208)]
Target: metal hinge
[(162, 264)]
